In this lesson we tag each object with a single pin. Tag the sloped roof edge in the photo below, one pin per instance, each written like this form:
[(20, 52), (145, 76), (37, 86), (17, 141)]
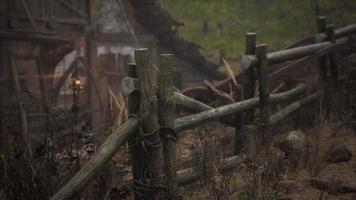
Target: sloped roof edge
[(160, 23)]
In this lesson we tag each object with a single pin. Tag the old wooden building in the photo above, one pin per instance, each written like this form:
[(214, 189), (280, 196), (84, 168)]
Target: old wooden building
[(44, 43)]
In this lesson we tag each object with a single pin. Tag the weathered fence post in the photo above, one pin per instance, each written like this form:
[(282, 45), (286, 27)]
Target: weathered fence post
[(245, 91), (262, 65), (330, 32), (250, 82), (149, 123), (166, 117), (322, 60), (137, 153)]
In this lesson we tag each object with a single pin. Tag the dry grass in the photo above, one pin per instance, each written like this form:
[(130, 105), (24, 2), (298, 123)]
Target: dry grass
[(208, 161)]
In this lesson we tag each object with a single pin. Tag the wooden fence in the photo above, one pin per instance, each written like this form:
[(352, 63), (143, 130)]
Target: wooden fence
[(152, 124)]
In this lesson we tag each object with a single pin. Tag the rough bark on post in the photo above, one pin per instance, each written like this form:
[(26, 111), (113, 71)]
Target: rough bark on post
[(137, 153), (333, 66), (250, 83), (262, 65), (322, 60), (166, 118), (150, 127)]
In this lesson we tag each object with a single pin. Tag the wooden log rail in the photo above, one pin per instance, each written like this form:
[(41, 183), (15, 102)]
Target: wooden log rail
[(276, 57), (190, 121), (340, 35), (150, 119)]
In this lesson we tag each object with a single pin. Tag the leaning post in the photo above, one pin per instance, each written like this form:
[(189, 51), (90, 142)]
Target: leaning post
[(166, 117), (149, 124)]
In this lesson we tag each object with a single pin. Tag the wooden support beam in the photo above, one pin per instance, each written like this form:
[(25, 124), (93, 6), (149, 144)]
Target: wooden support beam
[(92, 68), (102, 156), (22, 110), (46, 39), (150, 126), (166, 118), (264, 100)]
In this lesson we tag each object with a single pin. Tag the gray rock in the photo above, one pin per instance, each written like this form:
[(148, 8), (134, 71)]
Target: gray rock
[(291, 142), (338, 152)]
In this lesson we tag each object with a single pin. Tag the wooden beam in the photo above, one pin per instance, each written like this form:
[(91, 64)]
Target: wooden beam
[(22, 110), (276, 57), (339, 33), (46, 39), (282, 114), (190, 104), (60, 20), (92, 62), (190, 121)]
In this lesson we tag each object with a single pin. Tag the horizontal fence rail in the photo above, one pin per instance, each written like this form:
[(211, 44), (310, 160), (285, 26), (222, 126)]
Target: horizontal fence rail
[(291, 54), (187, 122)]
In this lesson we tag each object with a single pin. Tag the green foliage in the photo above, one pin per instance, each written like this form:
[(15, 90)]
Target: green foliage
[(277, 22)]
